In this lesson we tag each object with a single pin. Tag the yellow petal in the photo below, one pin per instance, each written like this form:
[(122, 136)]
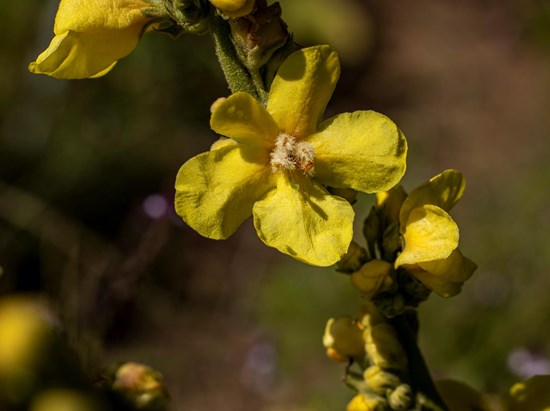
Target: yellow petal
[(98, 15), (444, 277), (73, 55), (242, 118), (430, 234), (302, 88), (90, 37), (215, 190), (443, 190), (302, 220), (363, 150), (455, 268)]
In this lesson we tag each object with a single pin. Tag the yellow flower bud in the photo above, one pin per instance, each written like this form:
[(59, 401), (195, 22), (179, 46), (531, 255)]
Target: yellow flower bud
[(141, 385), (370, 277), (379, 380), (26, 336), (362, 402), (401, 398), (383, 347), (234, 8), (344, 335)]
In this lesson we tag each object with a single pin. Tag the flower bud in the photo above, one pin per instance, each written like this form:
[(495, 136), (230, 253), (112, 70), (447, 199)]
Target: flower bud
[(26, 339), (401, 398), (344, 335), (371, 276), (234, 8), (141, 386), (383, 347), (352, 261), (379, 380), (366, 402)]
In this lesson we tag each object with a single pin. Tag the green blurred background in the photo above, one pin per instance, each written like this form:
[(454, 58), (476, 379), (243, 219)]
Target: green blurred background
[(86, 187)]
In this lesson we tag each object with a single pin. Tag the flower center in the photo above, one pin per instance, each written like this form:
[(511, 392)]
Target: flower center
[(290, 155)]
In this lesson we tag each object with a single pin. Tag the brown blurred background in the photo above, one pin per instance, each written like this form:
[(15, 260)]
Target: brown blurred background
[(86, 187)]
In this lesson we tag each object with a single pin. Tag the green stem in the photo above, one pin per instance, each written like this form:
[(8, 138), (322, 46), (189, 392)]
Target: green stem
[(421, 380), (237, 76)]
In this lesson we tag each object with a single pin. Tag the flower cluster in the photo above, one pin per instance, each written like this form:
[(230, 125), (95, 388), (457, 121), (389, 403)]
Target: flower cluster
[(277, 162), (371, 344), (412, 246)]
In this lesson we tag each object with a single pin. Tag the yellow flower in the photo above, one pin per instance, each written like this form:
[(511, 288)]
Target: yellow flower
[(281, 158), (234, 8), (430, 235), (530, 395), (90, 36)]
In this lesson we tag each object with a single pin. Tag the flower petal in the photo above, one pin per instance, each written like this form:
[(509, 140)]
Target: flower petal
[(430, 234), (302, 88), (73, 55), (445, 277), (363, 150), (215, 191), (444, 190), (455, 268), (302, 220), (242, 118), (99, 15)]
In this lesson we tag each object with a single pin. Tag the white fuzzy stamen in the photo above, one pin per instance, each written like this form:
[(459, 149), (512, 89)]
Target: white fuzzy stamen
[(289, 155)]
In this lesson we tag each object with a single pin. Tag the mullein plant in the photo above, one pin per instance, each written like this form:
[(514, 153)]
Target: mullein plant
[(296, 173)]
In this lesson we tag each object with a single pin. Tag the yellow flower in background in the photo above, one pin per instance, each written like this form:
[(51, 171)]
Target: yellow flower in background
[(430, 251), (281, 158), (234, 8), (91, 36), (530, 395)]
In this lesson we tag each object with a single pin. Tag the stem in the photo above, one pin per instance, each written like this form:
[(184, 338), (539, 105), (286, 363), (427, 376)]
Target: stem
[(421, 380), (236, 75)]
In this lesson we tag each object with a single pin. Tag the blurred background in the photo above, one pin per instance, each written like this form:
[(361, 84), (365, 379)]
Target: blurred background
[(86, 188)]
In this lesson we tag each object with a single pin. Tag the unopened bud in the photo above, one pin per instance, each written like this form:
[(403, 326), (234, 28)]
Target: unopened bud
[(383, 347), (353, 259), (367, 402), (379, 380), (234, 8), (344, 335), (401, 398), (371, 276), (141, 386)]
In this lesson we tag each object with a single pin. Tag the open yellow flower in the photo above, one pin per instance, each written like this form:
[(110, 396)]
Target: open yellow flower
[(430, 235), (91, 36), (279, 160)]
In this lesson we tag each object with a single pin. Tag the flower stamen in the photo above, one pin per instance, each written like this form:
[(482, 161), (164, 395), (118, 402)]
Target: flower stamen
[(289, 155)]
